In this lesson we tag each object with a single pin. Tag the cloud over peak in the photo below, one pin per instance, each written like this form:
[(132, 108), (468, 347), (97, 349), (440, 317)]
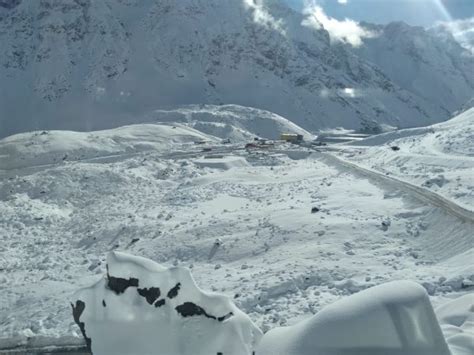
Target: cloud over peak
[(262, 16), (346, 31), (462, 31)]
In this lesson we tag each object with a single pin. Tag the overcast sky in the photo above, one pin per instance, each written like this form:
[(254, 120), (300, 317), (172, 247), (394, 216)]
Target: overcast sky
[(415, 12)]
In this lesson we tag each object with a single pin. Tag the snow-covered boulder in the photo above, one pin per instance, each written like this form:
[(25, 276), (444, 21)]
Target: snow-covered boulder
[(141, 307), (392, 319), (457, 322)]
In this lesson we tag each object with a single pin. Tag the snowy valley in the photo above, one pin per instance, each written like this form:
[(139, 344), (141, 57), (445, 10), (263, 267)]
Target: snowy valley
[(202, 177), (283, 230)]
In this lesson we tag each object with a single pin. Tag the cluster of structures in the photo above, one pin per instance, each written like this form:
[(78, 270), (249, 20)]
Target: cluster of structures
[(260, 143)]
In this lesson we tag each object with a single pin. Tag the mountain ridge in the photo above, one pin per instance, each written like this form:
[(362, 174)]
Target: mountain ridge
[(85, 65)]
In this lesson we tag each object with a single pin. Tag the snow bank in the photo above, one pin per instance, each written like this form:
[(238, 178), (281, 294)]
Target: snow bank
[(392, 319), (457, 322), (457, 131), (221, 162), (438, 157), (49, 147), (231, 121), (386, 137), (144, 308)]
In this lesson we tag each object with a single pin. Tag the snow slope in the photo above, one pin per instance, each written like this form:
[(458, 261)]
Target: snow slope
[(438, 157), (49, 147), (237, 123), (88, 65), (169, 131)]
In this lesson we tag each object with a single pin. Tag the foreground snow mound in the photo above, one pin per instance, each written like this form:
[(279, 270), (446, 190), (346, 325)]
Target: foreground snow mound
[(49, 147), (457, 322), (392, 319), (144, 308), (238, 123)]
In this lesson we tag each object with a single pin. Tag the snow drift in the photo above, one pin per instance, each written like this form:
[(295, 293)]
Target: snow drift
[(457, 322), (391, 319), (50, 147), (141, 307), (221, 162)]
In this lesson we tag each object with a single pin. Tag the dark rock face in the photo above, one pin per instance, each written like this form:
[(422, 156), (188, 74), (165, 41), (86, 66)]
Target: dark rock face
[(151, 294), (160, 303), (119, 285), (9, 4), (174, 291), (225, 317), (76, 313), (189, 309)]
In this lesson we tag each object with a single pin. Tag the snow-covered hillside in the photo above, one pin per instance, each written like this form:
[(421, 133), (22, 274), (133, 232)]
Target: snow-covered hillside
[(85, 65), (438, 157), (49, 147), (172, 130), (233, 122)]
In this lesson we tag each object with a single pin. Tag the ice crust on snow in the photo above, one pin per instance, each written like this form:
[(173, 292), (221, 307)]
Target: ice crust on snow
[(141, 307), (391, 319)]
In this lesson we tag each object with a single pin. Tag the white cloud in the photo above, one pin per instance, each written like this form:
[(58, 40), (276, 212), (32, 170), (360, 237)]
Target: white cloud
[(348, 93), (462, 31), (348, 31), (342, 2), (262, 16)]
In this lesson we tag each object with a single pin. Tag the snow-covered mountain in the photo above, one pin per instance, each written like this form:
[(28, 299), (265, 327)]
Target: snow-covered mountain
[(431, 66), (83, 64), (461, 30)]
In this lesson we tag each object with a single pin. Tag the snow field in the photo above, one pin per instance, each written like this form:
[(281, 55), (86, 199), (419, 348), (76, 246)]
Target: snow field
[(245, 230)]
